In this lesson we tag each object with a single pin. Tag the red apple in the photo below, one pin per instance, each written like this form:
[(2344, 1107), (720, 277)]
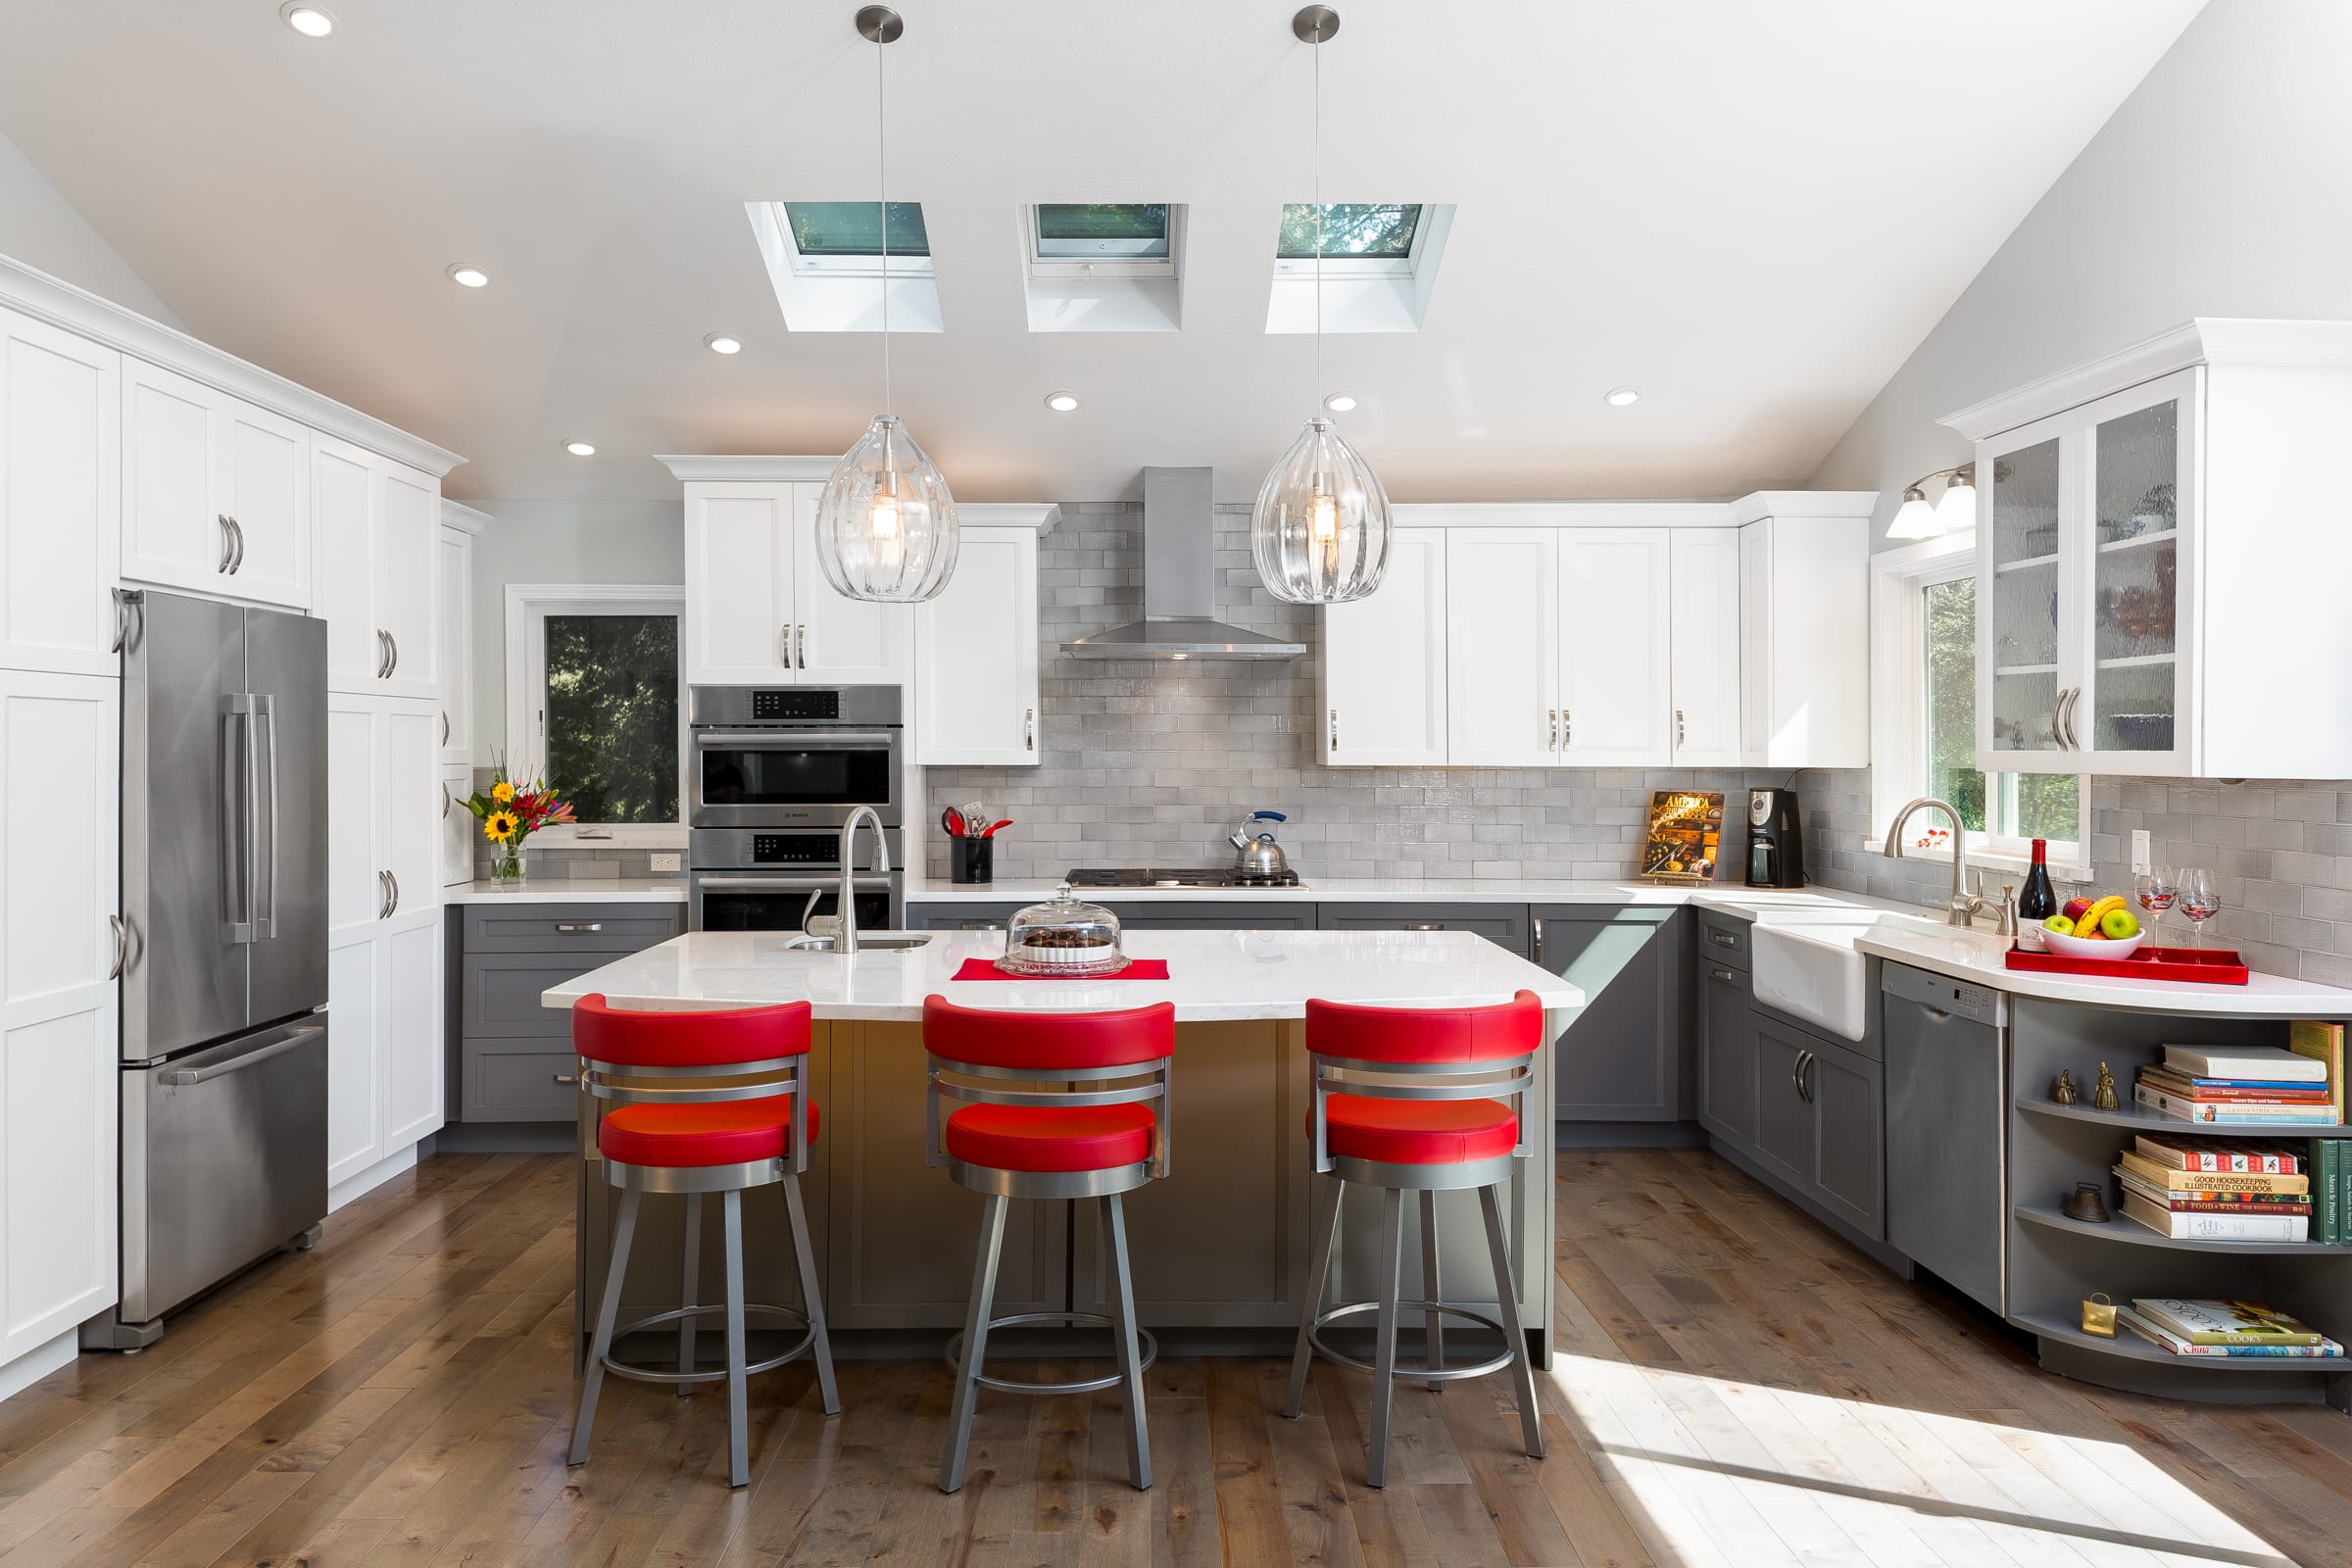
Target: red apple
[(2075, 908)]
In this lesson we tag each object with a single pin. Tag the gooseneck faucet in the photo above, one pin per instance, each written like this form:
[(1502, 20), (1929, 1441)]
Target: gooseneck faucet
[(848, 942), (1962, 907)]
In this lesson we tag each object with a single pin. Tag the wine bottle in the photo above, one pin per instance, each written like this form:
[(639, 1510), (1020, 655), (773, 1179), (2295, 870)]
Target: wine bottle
[(2038, 900)]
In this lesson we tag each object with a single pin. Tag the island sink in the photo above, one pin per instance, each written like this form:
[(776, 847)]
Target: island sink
[(866, 942)]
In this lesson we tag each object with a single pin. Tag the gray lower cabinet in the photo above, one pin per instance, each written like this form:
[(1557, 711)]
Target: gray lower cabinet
[(1622, 1056), (958, 916), (1172, 915), (1727, 1052), (514, 1058), (1503, 924), (1821, 1122)]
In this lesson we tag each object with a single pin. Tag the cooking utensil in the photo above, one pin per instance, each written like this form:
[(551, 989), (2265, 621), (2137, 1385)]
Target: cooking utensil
[(990, 831), (975, 813), (952, 820), (1256, 854)]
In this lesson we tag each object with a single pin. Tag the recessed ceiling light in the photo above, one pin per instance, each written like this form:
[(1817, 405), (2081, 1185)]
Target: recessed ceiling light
[(1061, 402), (1340, 402), (724, 343), (309, 20), (1620, 397), (468, 275), (580, 449)]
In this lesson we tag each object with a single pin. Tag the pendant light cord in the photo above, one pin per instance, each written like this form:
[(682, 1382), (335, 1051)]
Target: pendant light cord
[(1317, 392), (882, 179)]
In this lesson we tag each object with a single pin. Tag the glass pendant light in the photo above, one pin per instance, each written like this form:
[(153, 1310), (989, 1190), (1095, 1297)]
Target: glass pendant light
[(1321, 526), (886, 526)]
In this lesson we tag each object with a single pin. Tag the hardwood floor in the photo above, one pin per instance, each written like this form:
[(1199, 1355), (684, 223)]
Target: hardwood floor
[(1735, 1386)]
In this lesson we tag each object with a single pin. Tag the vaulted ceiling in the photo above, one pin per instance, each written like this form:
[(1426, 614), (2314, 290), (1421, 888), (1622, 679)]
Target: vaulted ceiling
[(1752, 212)]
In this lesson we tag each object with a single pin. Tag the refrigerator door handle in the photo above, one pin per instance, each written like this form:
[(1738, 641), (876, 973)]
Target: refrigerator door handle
[(240, 813), (188, 1078), (269, 702)]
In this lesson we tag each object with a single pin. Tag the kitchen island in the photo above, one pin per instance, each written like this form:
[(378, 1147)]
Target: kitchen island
[(1219, 1246)]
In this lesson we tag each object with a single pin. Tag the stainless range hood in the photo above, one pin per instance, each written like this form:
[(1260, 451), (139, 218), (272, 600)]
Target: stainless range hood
[(1180, 584)]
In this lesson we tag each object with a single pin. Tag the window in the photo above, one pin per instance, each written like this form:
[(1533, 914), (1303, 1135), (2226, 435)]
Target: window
[(1377, 264), (1103, 267), (847, 237), (594, 702), (1923, 730), (1385, 232), (825, 262), (1103, 230)]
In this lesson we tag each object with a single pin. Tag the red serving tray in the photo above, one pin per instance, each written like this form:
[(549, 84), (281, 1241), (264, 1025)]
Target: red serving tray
[(1137, 969), (2203, 966)]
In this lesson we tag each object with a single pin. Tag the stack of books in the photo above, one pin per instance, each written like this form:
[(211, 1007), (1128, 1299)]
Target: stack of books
[(2240, 1086), (2222, 1328), (2218, 1193)]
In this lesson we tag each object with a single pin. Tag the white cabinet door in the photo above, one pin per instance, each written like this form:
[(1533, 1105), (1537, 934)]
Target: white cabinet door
[(61, 504), (343, 503), (457, 827), (976, 650), (1385, 663), (355, 1071), (408, 964), (1502, 662), (406, 573), (454, 667), (356, 899), (265, 471), (739, 583), (1615, 648), (1705, 610), (841, 641), (408, 752), (59, 1080), (171, 445)]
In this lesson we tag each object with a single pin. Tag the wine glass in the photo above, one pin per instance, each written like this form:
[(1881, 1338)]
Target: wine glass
[(2200, 898), (2158, 887)]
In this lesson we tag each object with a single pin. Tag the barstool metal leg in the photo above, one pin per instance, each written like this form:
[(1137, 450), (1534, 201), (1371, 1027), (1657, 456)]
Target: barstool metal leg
[(1433, 1324), (1322, 1239), (975, 1341), (690, 1287), (739, 1459), (820, 1348), (607, 1313), (1384, 1376), (1131, 1370), (1523, 1371)]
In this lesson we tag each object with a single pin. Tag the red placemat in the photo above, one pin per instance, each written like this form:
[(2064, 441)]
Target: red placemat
[(1137, 969), (2207, 966)]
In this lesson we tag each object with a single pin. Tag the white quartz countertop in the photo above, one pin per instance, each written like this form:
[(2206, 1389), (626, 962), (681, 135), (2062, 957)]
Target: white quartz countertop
[(1384, 890), (1979, 956), (1212, 975), (569, 890)]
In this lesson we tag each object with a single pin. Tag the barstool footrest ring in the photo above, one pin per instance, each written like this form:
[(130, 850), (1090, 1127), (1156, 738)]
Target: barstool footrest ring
[(1416, 1374), (1149, 1350), (790, 1317)]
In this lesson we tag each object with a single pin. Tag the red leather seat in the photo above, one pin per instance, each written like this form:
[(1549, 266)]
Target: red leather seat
[(1417, 1132), (722, 1133), (1041, 1138)]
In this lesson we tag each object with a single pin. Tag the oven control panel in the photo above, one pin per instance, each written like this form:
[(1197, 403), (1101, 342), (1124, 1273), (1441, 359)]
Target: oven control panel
[(804, 703), (794, 849)]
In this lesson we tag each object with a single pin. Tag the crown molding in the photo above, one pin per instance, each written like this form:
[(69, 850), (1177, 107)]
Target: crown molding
[(2205, 340), (458, 514)]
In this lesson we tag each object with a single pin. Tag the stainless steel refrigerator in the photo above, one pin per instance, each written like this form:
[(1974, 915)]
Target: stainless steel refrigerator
[(224, 975)]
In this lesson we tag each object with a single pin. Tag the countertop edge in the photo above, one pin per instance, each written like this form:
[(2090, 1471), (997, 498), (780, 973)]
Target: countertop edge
[(567, 890), (2264, 996)]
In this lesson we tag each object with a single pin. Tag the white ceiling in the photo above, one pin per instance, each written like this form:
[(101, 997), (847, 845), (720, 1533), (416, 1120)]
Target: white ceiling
[(1750, 211)]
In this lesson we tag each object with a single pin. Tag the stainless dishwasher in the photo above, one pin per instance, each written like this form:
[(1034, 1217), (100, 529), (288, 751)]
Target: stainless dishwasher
[(1947, 1118)]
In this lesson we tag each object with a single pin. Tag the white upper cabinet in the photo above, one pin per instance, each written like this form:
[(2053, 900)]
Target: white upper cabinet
[(1804, 628), (377, 532), (61, 516), (1502, 662), (343, 510), (759, 609), (2156, 530), (214, 496), (1705, 663), (458, 826), (975, 656), (1383, 664), (1615, 643), (407, 579), (454, 659)]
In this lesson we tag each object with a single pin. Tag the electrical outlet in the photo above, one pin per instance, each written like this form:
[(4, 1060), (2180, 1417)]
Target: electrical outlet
[(2141, 856), (665, 862)]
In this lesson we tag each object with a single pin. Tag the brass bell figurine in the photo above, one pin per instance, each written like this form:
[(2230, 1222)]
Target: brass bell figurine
[(2088, 1206), (2102, 1092), (2064, 1091)]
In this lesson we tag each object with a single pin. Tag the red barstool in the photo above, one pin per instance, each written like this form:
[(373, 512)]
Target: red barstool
[(1405, 1102), (1049, 1139), (675, 1129)]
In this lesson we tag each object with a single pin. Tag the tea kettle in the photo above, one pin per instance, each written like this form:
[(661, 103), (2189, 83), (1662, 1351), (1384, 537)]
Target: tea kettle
[(1257, 852)]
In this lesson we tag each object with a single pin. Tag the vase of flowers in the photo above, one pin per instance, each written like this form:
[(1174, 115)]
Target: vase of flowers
[(510, 813)]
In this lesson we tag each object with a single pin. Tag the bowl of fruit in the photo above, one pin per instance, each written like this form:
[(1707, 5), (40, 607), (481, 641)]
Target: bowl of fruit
[(2093, 928)]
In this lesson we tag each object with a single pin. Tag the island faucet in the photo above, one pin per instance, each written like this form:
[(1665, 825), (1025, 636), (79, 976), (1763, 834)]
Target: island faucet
[(1963, 907), (848, 940)]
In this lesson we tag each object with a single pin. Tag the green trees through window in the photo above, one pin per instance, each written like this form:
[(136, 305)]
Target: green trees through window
[(613, 716)]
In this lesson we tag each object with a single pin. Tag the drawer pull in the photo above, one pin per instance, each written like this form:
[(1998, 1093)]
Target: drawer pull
[(1723, 939), (568, 1077), (1422, 925), (579, 925), (1726, 976)]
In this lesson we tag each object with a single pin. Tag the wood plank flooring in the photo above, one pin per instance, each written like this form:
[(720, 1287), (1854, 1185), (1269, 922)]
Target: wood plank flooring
[(1735, 1387)]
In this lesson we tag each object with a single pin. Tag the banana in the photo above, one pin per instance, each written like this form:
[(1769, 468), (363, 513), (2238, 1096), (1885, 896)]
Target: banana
[(2098, 911)]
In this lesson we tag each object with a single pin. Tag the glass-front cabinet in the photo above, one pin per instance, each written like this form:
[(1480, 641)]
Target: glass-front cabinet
[(2087, 533)]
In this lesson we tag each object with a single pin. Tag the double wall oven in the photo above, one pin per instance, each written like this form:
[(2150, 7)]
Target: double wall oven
[(776, 771)]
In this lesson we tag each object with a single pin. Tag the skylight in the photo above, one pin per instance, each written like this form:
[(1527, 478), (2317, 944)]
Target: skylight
[(830, 274), (1355, 230), (1102, 267), (1103, 230), (1377, 264), (847, 236)]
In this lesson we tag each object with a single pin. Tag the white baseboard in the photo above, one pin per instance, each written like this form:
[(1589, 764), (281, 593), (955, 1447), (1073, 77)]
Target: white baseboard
[(38, 1363), (368, 1180)]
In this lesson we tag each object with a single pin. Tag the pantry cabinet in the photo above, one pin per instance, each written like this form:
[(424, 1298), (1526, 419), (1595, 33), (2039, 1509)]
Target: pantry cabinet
[(377, 530), (976, 655), (60, 507), (454, 612), (2154, 532), (759, 609), (1384, 666), (216, 491)]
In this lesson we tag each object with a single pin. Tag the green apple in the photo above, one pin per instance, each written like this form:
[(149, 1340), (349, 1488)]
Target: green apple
[(2119, 925), (2060, 924)]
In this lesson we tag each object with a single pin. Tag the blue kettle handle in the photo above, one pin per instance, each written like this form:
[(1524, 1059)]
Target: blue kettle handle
[(1271, 816)]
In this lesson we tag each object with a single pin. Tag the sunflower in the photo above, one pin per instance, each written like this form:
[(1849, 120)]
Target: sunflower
[(499, 826), (502, 792)]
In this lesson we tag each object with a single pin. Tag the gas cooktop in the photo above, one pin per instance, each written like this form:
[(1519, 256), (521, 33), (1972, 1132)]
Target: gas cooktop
[(1152, 876)]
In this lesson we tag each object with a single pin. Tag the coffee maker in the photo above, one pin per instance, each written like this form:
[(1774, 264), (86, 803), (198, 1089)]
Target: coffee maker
[(1775, 844)]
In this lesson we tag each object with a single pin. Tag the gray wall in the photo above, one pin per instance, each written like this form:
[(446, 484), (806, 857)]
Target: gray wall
[(39, 228), (2219, 188), (1146, 763)]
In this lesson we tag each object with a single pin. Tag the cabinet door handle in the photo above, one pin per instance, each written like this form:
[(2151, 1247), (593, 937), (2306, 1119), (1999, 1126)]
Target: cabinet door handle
[(395, 642), (566, 1077), (1555, 727), (2074, 701), (445, 803), (1567, 729), (128, 605), (579, 925), (800, 643), (1726, 976), (1539, 952), (122, 945), (1335, 729), (1681, 730), (384, 896), (1422, 925), (221, 519), (1029, 729), (236, 536), (1804, 1075), (1795, 1075), (395, 881), (784, 640), (445, 726), (380, 654)]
